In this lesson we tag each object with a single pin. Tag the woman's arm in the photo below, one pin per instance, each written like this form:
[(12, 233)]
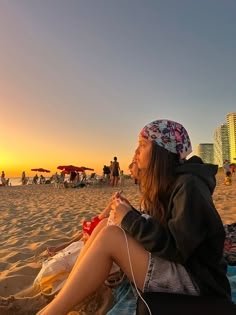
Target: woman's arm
[(189, 213), (105, 212)]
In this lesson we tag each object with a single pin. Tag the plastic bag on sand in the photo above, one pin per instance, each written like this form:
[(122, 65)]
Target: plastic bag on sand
[(56, 269)]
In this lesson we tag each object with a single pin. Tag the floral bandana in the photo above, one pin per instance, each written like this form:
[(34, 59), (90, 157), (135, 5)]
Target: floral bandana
[(169, 135)]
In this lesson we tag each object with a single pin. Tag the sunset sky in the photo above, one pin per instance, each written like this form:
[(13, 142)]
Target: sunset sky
[(79, 79)]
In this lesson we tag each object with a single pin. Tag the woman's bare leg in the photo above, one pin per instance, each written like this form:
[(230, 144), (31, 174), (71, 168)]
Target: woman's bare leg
[(116, 181), (94, 267), (90, 240)]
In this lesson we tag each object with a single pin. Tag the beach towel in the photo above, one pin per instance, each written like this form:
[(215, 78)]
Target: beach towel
[(230, 244), (231, 274), (125, 299)]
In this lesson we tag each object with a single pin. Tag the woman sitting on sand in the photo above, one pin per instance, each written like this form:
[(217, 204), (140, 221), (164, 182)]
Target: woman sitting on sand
[(4, 181), (176, 245)]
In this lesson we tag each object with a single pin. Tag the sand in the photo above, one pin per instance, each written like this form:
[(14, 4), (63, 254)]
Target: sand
[(34, 217)]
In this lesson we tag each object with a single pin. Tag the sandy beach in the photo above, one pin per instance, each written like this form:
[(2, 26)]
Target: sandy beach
[(34, 217)]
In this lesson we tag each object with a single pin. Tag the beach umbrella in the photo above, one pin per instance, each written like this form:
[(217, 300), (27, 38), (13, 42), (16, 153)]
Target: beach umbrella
[(40, 170), (87, 168), (70, 168)]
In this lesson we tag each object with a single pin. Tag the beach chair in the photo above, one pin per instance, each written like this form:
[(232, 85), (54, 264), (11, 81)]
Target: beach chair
[(60, 182), (173, 304), (92, 179)]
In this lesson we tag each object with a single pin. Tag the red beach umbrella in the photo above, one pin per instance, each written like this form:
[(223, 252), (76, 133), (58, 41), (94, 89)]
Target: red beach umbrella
[(40, 170), (70, 168), (87, 168)]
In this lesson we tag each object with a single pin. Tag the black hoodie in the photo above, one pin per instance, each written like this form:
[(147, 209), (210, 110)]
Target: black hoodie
[(193, 234)]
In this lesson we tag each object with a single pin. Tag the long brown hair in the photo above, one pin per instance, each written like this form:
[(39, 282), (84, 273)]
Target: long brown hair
[(157, 181)]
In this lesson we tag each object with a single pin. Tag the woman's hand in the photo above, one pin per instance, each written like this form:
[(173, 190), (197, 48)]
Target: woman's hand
[(105, 213), (119, 208)]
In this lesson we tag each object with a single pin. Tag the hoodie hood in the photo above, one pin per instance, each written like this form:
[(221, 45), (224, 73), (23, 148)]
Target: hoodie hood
[(205, 172)]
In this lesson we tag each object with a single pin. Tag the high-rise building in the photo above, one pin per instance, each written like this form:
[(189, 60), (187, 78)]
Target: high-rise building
[(231, 124), (221, 145), (206, 152)]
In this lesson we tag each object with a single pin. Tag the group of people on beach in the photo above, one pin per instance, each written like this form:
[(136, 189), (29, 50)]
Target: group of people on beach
[(173, 243)]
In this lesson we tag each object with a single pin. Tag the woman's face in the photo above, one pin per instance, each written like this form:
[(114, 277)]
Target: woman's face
[(143, 152), (134, 169)]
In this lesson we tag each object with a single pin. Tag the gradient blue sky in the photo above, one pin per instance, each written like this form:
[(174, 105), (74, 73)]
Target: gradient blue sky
[(79, 79)]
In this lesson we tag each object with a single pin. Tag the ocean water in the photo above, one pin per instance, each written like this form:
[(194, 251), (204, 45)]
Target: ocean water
[(16, 181)]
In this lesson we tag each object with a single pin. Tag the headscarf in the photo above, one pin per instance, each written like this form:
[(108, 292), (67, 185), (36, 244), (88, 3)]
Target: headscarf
[(169, 135)]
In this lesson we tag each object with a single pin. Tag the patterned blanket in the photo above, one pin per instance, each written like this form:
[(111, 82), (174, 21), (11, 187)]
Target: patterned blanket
[(230, 244), (230, 256)]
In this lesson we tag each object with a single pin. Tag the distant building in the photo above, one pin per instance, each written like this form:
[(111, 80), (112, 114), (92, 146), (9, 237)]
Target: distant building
[(221, 145), (231, 124), (224, 146), (206, 152)]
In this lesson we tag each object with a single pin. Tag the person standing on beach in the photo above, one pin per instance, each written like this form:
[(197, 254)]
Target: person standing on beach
[(106, 174), (3, 179), (110, 171), (177, 241), (226, 167), (115, 172), (122, 179), (24, 179)]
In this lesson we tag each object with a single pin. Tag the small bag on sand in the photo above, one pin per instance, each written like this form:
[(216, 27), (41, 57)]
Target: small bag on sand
[(115, 277), (56, 269)]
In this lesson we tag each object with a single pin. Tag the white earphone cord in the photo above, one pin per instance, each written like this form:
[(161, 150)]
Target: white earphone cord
[(132, 273)]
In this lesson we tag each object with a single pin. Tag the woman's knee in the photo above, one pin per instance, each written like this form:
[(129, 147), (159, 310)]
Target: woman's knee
[(116, 239), (111, 231), (111, 235), (99, 227)]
